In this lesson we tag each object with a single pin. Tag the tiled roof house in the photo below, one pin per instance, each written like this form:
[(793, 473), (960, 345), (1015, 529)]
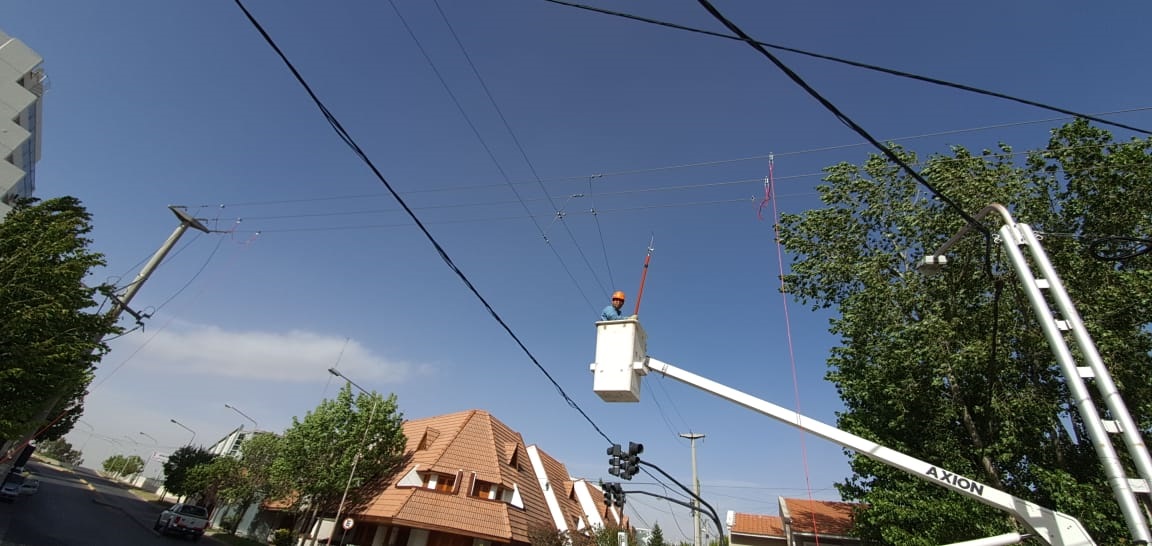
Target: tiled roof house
[(830, 520), (470, 480), (800, 523), (755, 530)]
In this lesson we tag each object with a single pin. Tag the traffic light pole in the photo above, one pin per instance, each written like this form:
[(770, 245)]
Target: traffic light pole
[(625, 465), (695, 509)]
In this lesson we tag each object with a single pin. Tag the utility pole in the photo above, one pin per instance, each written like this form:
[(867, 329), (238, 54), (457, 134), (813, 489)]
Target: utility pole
[(119, 305), (692, 437)]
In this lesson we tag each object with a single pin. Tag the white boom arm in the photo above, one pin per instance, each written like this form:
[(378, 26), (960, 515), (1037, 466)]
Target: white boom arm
[(622, 360)]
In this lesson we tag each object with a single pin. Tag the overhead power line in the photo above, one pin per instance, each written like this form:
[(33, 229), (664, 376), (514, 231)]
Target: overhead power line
[(902, 74), (851, 124), (350, 141), (484, 144)]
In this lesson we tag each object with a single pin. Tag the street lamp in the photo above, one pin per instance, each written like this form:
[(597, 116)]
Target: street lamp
[(149, 459), (359, 450), (255, 425), (181, 425), (136, 444)]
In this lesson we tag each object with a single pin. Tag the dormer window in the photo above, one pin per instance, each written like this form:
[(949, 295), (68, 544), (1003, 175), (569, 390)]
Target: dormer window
[(444, 483), (491, 491)]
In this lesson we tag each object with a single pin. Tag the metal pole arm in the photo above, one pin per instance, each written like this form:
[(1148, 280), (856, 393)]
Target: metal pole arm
[(711, 510), (622, 361), (1053, 527), (715, 519)]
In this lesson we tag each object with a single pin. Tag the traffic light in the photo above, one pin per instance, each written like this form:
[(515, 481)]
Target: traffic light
[(615, 460), (623, 464), (613, 494), (631, 461)]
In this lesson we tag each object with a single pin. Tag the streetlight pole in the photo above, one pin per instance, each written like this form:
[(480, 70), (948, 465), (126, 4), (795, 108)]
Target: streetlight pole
[(149, 459), (136, 444), (255, 425), (359, 452), (692, 437), (91, 431), (181, 425)]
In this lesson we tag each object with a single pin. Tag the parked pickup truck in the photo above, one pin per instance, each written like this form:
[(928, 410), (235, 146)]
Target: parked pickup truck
[(183, 519)]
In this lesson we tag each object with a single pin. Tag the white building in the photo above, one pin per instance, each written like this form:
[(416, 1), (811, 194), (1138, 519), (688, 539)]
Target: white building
[(22, 84)]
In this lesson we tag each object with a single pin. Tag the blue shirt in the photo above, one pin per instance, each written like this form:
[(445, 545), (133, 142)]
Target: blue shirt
[(610, 313)]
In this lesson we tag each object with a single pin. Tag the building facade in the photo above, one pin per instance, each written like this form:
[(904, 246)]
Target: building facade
[(22, 84)]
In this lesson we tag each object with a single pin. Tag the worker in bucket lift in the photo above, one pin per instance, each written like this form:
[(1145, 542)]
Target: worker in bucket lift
[(612, 312)]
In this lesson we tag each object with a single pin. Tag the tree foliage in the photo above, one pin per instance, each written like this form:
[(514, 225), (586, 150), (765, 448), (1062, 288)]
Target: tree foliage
[(49, 344), (60, 450), (953, 369), (178, 476), (657, 536), (123, 465), (317, 454), (251, 479)]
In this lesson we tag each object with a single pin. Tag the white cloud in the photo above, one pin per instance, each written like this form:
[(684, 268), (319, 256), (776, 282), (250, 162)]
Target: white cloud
[(292, 356)]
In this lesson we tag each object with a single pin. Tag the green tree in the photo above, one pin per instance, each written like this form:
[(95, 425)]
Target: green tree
[(953, 369), (546, 536), (123, 465), (49, 344), (317, 454), (60, 450), (254, 479), (178, 468), (657, 536), (608, 535)]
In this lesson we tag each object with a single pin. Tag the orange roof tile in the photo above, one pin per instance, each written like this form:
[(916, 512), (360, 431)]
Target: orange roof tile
[(826, 518), (469, 445), (561, 484), (755, 524)]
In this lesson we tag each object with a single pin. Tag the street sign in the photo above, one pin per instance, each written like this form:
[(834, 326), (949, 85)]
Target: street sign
[(348, 523)]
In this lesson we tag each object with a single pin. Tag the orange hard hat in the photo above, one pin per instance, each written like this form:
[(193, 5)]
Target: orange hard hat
[(618, 295)]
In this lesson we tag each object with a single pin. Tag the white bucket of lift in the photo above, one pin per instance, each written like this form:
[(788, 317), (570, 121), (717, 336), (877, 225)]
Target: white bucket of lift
[(621, 350)]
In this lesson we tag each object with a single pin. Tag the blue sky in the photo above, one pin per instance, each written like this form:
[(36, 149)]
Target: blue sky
[(664, 133)]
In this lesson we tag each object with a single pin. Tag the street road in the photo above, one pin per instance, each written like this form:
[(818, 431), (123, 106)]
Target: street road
[(79, 509)]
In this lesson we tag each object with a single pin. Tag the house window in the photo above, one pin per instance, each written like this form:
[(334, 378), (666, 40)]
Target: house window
[(444, 483), (486, 490)]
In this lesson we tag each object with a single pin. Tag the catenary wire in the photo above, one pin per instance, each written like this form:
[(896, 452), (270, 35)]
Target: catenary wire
[(740, 36), (519, 146), (596, 218), (851, 124), (497, 219), (487, 149), (646, 170), (347, 138)]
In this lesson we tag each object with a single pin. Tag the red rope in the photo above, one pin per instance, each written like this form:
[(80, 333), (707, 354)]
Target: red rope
[(788, 332)]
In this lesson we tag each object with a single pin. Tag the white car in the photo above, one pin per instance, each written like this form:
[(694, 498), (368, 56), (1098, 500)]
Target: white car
[(30, 487)]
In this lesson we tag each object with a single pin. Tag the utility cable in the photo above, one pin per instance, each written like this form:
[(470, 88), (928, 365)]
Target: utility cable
[(500, 218), (456, 189), (740, 36), (480, 138), (851, 124), (516, 141), (347, 138)]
